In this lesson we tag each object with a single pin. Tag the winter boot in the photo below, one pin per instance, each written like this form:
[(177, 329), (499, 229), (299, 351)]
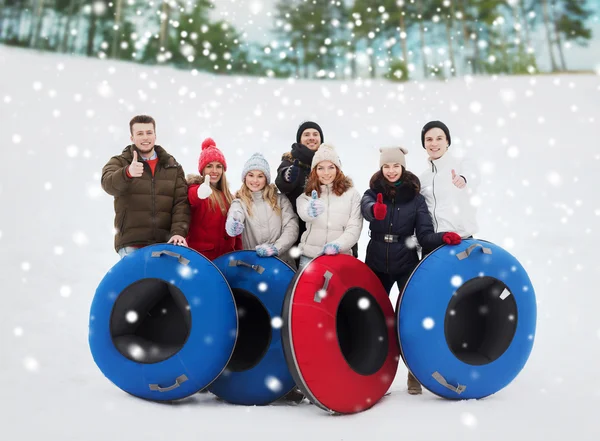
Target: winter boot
[(414, 387)]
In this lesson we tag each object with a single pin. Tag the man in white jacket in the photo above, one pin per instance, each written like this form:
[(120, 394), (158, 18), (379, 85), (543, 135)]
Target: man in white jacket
[(447, 185)]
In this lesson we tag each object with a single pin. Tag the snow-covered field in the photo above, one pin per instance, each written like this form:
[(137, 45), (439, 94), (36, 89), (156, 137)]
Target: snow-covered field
[(62, 118)]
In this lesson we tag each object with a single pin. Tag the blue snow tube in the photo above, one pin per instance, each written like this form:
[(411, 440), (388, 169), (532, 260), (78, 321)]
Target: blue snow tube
[(257, 373), (466, 320), (163, 323)]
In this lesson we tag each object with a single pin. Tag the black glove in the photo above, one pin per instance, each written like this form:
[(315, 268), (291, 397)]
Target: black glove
[(291, 174)]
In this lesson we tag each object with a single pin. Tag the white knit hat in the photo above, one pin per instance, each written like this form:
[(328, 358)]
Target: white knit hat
[(326, 152), (392, 155)]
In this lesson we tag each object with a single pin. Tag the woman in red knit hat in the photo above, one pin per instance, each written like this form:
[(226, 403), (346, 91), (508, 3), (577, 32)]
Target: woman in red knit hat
[(210, 199)]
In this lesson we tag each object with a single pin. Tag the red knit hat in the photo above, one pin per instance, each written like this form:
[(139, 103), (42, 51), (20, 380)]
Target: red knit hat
[(210, 153)]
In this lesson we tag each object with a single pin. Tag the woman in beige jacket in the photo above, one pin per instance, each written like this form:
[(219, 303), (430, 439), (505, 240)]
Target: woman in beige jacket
[(264, 217), (330, 206)]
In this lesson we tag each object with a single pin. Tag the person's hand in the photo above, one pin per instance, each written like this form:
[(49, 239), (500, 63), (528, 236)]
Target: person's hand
[(204, 190), (292, 172), (136, 168), (266, 250), (331, 249), (379, 209), (458, 180), (315, 206), (234, 227), (178, 240), (451, 238)]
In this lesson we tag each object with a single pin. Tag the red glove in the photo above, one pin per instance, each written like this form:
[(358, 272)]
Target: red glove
[(451, 238), (379, 209)]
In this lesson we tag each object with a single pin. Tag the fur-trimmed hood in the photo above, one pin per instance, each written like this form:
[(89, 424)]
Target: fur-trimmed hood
[(410, 186), (194, 179)]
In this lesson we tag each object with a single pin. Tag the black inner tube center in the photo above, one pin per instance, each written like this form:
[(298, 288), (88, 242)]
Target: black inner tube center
[(481, 320), (254, 332), (361, 331), (150, 321)]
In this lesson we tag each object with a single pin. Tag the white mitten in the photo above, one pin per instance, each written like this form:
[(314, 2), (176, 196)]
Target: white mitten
[(204, 190)]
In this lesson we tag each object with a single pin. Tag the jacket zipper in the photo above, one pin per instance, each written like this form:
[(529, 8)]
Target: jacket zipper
[(327, 224), (387, 250), (154, 201), (434, 170)]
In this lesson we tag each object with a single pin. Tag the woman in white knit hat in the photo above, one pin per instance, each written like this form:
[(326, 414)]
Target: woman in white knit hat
[(330, 206), (264, 217)]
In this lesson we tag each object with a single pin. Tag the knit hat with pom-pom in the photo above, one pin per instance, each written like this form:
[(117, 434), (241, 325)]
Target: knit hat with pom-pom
[(210, 153)]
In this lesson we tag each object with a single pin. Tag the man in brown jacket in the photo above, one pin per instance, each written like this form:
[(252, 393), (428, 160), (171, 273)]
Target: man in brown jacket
[(151, 204)]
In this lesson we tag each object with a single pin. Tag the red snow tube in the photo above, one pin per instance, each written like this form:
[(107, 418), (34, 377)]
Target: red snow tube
[(339, 334)]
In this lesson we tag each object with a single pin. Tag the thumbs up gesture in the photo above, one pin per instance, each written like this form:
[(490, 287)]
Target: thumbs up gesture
[(316, 206), (136, 168), (458, 180), (204, 190), (379, 209)]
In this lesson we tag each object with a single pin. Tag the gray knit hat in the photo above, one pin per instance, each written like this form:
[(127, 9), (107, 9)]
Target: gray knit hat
[(257, 162), (392, 155)]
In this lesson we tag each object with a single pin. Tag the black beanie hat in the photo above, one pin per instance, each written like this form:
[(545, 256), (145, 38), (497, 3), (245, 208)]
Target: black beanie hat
[(309, 125), (432, 124)]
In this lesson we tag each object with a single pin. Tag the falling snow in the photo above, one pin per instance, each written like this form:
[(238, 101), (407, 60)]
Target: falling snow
[(456, 281), (31, 364), (273, 384), (428, 323), (276, 322), (364, 303), (535, 161), (469, 420), (131, 316), (65, 291)]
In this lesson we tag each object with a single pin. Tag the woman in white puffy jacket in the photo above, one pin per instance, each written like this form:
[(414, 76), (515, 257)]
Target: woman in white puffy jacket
[(447, 184), (330, 206), (264, 217)]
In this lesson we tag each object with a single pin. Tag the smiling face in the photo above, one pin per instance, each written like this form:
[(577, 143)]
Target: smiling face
[(214, 170), (392, 171), (311, 138), (436, 143), (326, 172), (144, 136), (255, 180)]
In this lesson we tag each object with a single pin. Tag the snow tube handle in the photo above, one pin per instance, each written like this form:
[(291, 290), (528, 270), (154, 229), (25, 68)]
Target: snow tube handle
[(179, 257), (321, 293), (466, 253), (181, 379), (440, 379), (259, 269)]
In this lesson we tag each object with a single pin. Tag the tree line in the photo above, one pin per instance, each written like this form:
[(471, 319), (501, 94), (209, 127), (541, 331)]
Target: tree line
[(395, 39)]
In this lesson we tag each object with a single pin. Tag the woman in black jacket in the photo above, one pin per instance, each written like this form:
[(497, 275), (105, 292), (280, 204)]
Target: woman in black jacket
[(396, 210)]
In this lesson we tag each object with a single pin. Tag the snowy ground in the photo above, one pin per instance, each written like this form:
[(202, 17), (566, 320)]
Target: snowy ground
[(62, 118)]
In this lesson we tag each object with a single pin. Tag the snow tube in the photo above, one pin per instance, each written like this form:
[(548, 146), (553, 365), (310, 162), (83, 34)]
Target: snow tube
[(339, 334), (163, 323), (257, 373), (466, 320)]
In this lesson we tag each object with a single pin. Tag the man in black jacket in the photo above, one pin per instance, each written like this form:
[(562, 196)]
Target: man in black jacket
[(295, 166)]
